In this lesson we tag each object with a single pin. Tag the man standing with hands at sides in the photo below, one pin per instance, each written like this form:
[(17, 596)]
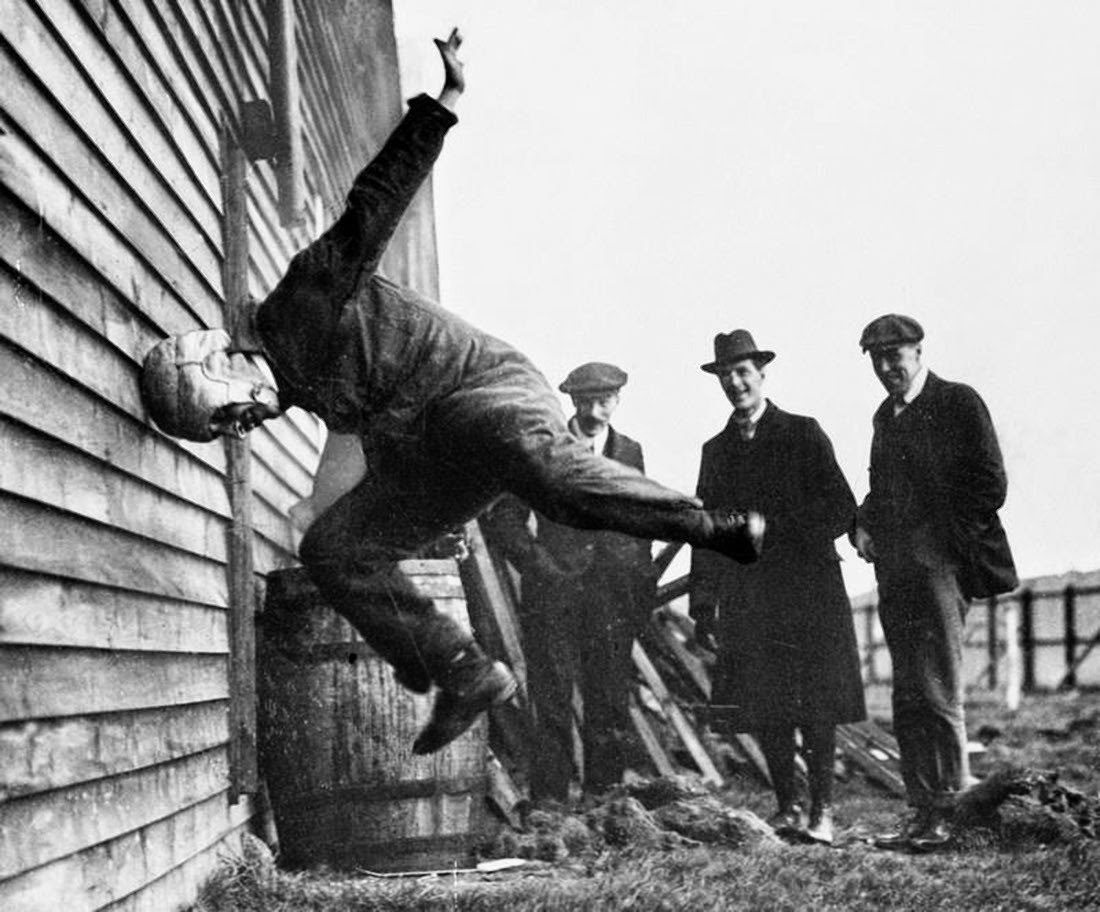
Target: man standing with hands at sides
[(585, 595), (782, 627), (930, 526), (449, 417)]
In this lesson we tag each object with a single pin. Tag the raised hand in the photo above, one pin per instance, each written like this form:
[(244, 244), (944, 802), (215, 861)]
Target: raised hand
[(454, 79)]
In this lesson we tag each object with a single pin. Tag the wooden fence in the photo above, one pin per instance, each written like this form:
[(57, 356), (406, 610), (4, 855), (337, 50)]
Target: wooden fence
[(1041, 637)]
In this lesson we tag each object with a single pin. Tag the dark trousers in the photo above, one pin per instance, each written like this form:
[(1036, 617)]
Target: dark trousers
[(501, 429), (576, 634), (923, 612), (474, 445), (819, 748)]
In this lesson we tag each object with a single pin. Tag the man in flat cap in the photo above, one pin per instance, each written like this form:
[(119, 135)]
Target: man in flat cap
[(781, 627), (930, 526), (448, 417), (585, 595)]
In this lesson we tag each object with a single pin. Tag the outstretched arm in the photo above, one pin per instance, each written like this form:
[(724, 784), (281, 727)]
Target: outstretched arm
[(321, 277)]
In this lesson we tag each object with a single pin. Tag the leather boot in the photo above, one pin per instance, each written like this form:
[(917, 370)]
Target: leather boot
[(935, 833), (907, 827), (469, 683), (788, 820), (733, 536)]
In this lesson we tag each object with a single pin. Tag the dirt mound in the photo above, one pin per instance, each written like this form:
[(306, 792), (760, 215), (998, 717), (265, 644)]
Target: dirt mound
[(1026, 805), (661, 813)]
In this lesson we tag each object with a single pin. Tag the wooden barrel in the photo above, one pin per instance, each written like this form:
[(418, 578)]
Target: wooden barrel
[(335, 740)]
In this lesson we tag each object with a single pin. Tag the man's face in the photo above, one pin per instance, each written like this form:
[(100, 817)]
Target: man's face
[(896, 366), (743, 384), (594, 411), (238, 418)]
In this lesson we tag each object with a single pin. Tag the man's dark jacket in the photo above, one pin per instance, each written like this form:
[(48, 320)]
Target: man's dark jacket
[(937, 482), (787, 651)]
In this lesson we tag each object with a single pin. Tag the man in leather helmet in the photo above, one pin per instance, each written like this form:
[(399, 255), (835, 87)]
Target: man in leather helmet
[(449, 418)]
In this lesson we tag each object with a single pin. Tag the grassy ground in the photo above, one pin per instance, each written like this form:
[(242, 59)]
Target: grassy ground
[(1016, 871)]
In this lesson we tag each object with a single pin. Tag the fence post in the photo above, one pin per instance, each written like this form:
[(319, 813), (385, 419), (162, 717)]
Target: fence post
[(1027, 637), (872, 646), (992, 644), (1012, 655), (1069, 612)]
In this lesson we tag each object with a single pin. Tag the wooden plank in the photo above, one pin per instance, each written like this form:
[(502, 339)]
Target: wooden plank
[(133, 29), (92, 177), (682, 727), (54, 337), (746, 745), (41, 263), (179, 65), (484, 590), (857, 749), (37, 539), (149, 67), (40, 469), (665, 557), (41, 187), (119, 868), (502, 792), (58, 753), (88, 423), (38, 829), (114, 116), (691, 664), (39, 682), (673, 590), (243, 772), (41, 610), (184, 880), (650, 740), (874, 735)]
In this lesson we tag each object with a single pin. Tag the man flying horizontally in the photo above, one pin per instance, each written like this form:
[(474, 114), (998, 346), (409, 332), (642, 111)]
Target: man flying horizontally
[(448, 416)]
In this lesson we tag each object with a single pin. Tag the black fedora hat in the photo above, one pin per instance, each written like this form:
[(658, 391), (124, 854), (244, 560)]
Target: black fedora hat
[(731, 347)]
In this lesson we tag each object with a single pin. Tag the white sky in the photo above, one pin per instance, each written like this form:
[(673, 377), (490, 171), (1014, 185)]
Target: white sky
[(630, 177)]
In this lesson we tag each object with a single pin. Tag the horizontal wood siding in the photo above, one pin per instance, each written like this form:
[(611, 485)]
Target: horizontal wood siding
[(114, 598)]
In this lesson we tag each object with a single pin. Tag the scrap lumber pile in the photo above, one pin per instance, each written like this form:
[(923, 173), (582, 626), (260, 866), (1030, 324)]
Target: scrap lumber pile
[(669, 704)]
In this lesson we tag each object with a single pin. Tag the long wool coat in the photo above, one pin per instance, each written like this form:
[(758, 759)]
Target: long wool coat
[(787, 647)]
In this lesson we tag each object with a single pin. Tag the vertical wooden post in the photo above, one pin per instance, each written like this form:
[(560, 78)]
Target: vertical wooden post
[(872, 647), (992, 641), (1069, 613), (1027, 636), (285, 103), (1011, 616), (242, 595)]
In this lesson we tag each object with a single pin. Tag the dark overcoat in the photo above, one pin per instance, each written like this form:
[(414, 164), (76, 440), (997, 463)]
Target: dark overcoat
[(937, 482), (787, 648)]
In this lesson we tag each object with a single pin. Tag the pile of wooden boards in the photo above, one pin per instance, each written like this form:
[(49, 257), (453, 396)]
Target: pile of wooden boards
[(669, 704)]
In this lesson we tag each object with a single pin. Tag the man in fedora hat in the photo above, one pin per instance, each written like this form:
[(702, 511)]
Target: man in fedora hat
[(585, 594), (782, 627), (449, 416), (929, 524)]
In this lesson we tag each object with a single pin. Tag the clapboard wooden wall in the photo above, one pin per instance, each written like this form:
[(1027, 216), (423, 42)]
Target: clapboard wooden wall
[(114, 692)]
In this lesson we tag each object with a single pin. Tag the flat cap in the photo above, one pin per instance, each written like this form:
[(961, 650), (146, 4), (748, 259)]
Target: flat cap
[(889, 330), (594, 377)]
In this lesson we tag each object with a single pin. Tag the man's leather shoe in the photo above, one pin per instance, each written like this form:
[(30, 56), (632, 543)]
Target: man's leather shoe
[(935, 834), (820, 827), (471, 690), (787, 821), (734, 536), (907, 827)]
